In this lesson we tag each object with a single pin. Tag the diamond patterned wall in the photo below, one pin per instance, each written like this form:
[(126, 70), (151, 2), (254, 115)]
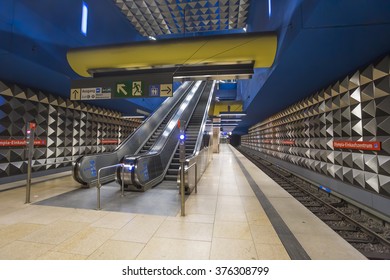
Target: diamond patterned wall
[(356, 108), (159, 17), (70, 129)]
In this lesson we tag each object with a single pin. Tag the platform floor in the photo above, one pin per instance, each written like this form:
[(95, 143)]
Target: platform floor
[(238, 213)]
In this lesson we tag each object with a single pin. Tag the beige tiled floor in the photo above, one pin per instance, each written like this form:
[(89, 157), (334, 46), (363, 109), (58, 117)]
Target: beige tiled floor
[(224, 220)]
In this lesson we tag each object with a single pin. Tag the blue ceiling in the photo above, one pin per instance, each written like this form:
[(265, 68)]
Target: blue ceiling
[(318, 43)]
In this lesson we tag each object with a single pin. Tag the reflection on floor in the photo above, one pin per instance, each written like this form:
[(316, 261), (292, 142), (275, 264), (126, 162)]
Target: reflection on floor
[(161, 200), (224, 220)]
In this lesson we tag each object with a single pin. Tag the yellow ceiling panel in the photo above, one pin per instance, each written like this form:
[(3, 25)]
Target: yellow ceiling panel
[(231, 49)]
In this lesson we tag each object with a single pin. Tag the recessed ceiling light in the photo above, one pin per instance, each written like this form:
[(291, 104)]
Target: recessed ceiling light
[(84, 19)]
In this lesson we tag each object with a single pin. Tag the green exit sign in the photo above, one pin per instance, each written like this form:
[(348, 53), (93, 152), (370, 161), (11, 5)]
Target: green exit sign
[(130, 89)]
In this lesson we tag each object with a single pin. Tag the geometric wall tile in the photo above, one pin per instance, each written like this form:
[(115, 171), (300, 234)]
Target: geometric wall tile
[(346, 114), (358, 177), (355, 97), (337, 130), (384, 65), (338, 172), (54, 124), (347, 174), (343, 86), (384, 164), (331, 170), (371, 163), (369, 109), (382, 87), (356, 112), (384, 125), (385, 145), (338, 158), (370, 127), (384, 182), (383, 107), (367, 92), (344, 100), (354, 81), (367, 75), (356, 108), (372, 181), (357, 129)]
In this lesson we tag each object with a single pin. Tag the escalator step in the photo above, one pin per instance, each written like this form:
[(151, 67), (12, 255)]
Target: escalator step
[(170, 177)]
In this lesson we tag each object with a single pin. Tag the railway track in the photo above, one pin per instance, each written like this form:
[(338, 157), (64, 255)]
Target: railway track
[(367, 233)]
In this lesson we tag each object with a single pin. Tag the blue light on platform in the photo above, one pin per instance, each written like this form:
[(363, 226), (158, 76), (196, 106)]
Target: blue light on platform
[(182, 136), (84, 19), (325, 189)]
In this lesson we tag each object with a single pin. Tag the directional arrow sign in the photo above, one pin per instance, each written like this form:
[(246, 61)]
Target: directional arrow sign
[(166, 90), (124, 89), (75, 94), (120, 88)]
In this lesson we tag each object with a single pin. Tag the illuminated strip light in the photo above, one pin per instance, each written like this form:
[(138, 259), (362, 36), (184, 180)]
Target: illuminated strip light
[(223, 124), (231, 114), (132, 117), (84, 19), (269, 8)]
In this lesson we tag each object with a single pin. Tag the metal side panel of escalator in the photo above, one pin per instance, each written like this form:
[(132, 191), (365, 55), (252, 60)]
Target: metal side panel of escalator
[(145, 171), (85, 168)]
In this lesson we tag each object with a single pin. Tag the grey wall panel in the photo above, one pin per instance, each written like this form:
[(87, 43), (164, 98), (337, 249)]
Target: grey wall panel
[(70, 129), (355, 108)]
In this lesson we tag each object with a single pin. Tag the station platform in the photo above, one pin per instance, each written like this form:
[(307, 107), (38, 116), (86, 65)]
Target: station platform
[(239, 213)]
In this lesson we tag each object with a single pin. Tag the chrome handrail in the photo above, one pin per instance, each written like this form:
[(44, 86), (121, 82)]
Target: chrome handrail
[(196, 174), (203, 125), (99, 186), (182, 184)]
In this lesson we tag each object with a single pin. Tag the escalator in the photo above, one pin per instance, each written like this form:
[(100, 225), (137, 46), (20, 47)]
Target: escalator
[(192, 131), (85, 168), (160, 129), (147, 170)]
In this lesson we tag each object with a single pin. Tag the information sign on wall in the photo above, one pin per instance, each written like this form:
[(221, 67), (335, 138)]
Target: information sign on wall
[(20, 143), (358, 145)]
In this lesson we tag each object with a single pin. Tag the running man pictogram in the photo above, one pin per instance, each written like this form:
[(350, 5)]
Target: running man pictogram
[(137, 88)]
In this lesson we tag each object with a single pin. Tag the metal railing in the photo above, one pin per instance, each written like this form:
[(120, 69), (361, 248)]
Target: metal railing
[(183, 183), (99, 186), (196, 174)]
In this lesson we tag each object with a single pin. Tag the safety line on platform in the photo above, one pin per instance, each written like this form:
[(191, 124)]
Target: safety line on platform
[(289, 241)]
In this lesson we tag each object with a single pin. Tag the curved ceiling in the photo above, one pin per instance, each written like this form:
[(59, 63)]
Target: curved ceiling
[(318, 42)]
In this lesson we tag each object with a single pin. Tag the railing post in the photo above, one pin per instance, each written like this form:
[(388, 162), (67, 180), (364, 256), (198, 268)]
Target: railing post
[(196, 177), (182, 160), (98, 190), (99, 185), (123, 181), (30, 150)]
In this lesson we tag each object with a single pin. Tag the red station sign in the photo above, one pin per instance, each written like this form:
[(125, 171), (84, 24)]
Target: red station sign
[(358, 145), (20, 143)]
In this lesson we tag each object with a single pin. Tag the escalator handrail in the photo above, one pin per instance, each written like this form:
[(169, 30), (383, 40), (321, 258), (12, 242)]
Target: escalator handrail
[(174, 109), (81, 166), (139, 133), (198, 142), (156, 151), (157, 147)]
